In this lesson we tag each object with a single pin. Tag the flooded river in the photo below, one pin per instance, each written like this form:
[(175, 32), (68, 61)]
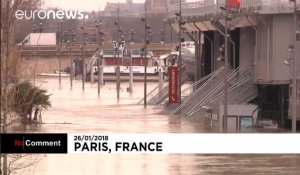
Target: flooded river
[(75, 111)]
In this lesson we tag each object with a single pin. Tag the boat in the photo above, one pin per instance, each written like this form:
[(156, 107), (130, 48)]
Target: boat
[(188, 60), (127, 58)]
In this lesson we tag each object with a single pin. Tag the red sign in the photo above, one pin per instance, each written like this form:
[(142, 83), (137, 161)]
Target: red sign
[(233, 4), (173, 84)]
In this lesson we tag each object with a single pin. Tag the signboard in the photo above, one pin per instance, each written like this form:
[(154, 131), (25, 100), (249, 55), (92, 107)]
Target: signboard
[(173, 84), (246, 122), (233, 4)]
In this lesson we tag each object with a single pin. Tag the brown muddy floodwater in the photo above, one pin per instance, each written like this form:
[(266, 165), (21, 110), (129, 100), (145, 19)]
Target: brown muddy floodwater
[(75, 111)]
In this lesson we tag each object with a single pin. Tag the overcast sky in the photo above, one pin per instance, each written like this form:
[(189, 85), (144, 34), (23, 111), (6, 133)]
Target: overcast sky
[(86, 5)]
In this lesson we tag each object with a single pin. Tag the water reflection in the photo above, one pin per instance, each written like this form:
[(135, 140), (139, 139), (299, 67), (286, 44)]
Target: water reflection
[(75, 111)]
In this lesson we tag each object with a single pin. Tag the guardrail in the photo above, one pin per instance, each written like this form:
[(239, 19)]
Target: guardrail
[(212, 7), (105, 46), (75, 49)]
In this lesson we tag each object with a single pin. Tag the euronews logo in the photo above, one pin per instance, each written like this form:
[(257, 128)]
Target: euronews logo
[(50, 14)]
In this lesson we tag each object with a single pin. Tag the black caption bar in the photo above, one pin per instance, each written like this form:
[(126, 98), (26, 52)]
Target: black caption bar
[(33, 143)]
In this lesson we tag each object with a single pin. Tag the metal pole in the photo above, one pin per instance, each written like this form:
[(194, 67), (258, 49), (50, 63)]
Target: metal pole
[(118, 63), (145, 61), (82, 54), (179, 59), (59, 64), (99, 75), (294, 88), (101, 70), (164, 31), (130, 74), (83, 70), (234, 55), (171, 33), (294, 94), (118, 74), (71, 73), (199, 62), (160, 82), (92, 74), (226, 76)]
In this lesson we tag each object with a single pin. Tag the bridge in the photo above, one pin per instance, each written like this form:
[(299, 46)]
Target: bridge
[(201, 13), (88, 50)]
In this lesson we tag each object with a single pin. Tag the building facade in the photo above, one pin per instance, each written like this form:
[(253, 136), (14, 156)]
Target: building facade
[(157, 6), (129, 8), (262, 38)]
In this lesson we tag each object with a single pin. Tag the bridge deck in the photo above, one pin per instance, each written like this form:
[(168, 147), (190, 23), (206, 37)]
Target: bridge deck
[(204, 11)]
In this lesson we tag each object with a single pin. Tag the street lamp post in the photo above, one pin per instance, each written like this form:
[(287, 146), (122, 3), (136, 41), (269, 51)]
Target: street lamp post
[(171, 33), (71, 33), (71, 64), (291, 62), (117, 51), (147, 29), (60, 24), (130, 74), (225, 115), (98, 25), (132, 32), (180, 23), (162, 36), (226, 76), (150, 33), (164, 39), (39, 29), (99, 72), (83, 59), (294, 71)]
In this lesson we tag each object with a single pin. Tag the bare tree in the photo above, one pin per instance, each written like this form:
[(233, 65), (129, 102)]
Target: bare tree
[(9, 60)]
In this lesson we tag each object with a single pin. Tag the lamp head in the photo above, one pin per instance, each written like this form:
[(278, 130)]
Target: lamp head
[(286, 62), (221, 49), (290, 48), (223, 8), (178, 14), (220, 58)]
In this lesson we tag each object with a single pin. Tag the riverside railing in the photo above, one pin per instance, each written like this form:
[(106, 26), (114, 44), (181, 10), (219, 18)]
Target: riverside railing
[(212, 7)]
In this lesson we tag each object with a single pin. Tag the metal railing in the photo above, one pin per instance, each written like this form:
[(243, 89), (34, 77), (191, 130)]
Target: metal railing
[(241, 90), (212, 7), (190, 89), (155, 91), (186, 92), (206, 86), (157, 96), (214, 105)]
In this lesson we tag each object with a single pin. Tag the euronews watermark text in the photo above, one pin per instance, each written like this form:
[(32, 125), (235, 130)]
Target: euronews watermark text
[(50, 14)]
